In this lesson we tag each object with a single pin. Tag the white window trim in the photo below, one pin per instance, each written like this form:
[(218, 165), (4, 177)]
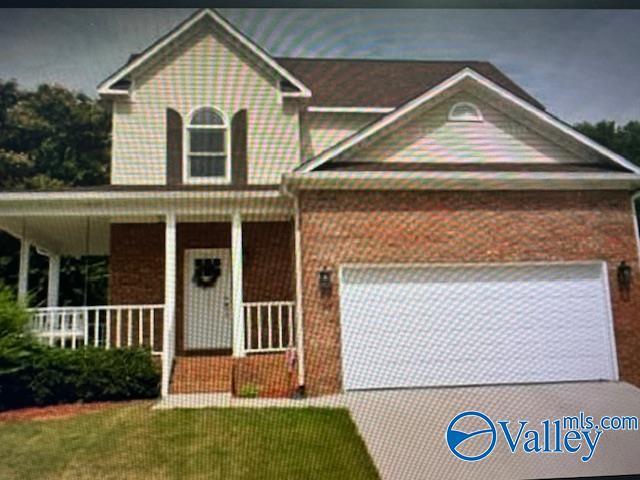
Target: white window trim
[(186, 146), (452, 117)]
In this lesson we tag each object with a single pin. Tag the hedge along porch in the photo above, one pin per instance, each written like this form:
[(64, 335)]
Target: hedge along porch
[(156, 242)]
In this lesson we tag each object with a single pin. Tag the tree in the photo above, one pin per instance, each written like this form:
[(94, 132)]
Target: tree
[(52, 138), (624, 140)]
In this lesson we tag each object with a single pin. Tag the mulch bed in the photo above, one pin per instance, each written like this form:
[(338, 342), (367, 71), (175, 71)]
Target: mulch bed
[(59, 411)]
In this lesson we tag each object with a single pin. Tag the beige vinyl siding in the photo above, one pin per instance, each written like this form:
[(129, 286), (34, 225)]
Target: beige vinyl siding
[(431, 137), (203, 69), (322, 130)]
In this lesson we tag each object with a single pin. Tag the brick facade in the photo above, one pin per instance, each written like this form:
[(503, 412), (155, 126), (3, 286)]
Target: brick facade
[(137, 261), (136, 264), (412, 227)]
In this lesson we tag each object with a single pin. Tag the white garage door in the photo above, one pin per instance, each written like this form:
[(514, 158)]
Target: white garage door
[(461, 325)]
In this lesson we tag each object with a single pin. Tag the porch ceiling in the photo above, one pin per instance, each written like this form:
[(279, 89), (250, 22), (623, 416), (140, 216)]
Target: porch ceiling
[(64, 235)]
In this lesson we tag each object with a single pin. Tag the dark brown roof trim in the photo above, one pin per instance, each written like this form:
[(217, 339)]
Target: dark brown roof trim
[(459, 167)]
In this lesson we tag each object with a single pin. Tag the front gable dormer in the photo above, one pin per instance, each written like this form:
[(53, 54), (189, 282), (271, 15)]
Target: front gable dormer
[(157, 96)]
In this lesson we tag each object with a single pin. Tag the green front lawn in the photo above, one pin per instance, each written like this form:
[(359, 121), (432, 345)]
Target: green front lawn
[(134, 442)]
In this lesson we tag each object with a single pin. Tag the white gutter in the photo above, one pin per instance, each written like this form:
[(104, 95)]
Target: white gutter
[(412, 180), (350, 109), (142, 203), (142, 194)]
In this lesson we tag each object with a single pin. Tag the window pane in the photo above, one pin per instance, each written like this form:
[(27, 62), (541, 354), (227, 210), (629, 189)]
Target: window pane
[(207, 165), (465, 112), (206, 116), (207, 140)]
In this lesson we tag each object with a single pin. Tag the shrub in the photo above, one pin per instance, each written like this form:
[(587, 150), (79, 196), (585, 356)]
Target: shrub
[(49, 375), (15, 351), (249, 391), (16, 343), (13, 316), (32, 373)]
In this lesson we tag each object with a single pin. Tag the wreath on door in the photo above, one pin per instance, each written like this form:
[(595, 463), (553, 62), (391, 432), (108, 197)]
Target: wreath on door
[(207, 271)]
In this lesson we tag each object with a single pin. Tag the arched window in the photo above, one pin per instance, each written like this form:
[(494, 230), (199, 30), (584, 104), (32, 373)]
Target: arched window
[(207, 146), (465, 112)]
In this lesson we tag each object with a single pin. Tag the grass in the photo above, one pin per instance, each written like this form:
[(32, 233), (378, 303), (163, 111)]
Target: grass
[(134, 442)]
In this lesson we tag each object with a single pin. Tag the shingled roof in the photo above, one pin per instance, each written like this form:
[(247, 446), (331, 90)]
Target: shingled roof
[(338, 82), (383, 83)]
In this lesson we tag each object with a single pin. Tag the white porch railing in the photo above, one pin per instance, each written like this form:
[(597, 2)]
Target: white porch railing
[(101, 326), (269, 326)]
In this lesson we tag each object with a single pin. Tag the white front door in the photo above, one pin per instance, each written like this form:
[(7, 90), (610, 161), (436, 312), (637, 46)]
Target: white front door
[(207, 299)]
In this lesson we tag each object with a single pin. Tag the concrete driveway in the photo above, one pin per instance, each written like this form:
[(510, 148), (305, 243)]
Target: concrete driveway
[(405, 430)]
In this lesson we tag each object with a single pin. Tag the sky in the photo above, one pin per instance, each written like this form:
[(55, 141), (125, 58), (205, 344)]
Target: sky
[(583, 65)]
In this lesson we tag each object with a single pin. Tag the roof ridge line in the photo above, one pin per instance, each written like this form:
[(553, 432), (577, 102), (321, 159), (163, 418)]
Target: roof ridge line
[(360, 59)]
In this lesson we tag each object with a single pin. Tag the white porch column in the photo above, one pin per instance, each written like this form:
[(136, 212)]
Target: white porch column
[(236, 285), (168, 336), (53, 286), (298, 315), (23, 274)]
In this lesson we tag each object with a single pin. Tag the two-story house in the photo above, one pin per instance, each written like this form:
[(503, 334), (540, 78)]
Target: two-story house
[(388, 223)]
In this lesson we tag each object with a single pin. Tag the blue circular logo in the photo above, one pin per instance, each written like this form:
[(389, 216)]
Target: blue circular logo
[(457, 438)]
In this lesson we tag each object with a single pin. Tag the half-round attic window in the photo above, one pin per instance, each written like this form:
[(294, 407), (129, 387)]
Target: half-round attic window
[(465, 112)]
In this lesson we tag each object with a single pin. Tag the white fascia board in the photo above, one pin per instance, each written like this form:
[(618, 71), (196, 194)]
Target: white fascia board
[(350, 109), (294, 95), (466, 73), (139, 204), (461, 181), (103, 88), (113, 92), (135, 212), (79, 196)]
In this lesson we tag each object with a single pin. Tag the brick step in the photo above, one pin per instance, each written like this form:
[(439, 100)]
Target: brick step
[(269, 373), (202, 374), (210, 374)]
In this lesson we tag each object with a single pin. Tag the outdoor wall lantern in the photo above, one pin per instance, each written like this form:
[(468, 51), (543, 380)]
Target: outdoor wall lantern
[(324, 281), (624, 279)]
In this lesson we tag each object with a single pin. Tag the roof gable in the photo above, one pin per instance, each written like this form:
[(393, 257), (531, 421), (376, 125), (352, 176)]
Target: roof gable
[(295, 88), (497, 140), (447, 88)]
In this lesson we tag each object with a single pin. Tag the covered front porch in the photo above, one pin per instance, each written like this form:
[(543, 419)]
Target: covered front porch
[(191, 273)]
